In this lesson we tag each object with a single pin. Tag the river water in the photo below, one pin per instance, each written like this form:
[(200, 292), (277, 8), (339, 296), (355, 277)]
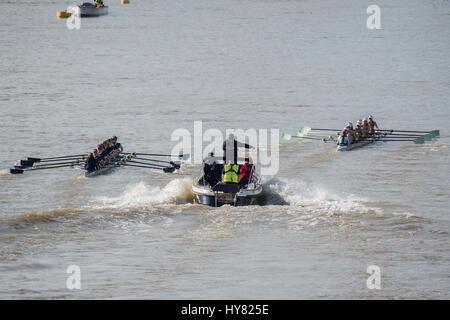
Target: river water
[(151, 67)]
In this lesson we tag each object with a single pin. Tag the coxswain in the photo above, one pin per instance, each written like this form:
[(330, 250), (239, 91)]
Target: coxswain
[(343, 139)]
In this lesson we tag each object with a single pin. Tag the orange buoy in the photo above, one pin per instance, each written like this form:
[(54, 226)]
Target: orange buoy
[(125, 1), (63, 14)]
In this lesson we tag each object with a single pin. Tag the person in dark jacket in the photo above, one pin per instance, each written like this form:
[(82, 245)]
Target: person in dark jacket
[(211, 170), (230, 148), (90, 164)]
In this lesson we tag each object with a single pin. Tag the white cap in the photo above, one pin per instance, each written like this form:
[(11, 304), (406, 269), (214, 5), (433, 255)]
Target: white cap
[(365, 119), (370, 117), (350, 125)]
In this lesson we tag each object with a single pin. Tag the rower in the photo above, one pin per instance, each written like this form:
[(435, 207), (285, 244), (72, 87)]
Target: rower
[(365, 128), (350, 133), (358, 132), (343, 139), (90, 163), (372, 125), (98, 3)]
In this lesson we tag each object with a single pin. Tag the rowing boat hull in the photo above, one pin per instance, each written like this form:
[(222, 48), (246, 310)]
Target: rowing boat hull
[(354, 145), (359, 144), (103, 169), (82, 11)]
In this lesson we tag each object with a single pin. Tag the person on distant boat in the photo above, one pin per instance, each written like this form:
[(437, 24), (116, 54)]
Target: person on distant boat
[(372, 125), (365, 128), (98, 3), (350, 133), (246, 172), (90, 164), (358, 132), (343, 139)]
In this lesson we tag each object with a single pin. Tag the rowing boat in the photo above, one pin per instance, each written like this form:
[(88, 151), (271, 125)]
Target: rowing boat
[(87, 10), (361, 143)]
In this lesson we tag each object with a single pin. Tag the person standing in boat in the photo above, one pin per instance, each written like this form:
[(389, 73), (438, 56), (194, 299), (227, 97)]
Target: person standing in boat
[(98, 3), (230, 148)]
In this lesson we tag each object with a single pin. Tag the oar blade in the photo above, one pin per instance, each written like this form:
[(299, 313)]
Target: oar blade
[(169, 169), (419, 141), (303, 131), (176, 165), (286, 136), (15, 171)]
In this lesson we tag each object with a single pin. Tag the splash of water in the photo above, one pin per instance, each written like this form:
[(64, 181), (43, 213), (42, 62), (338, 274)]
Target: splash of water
[(177, 191)]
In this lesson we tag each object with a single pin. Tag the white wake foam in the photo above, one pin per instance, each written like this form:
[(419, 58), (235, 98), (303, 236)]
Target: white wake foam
[(313, 198), (177, 191)]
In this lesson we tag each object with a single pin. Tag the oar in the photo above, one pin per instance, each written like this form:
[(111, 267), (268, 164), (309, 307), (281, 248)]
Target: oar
[(287, 136), (416, 141), (58, 163), (20, 171), (154, 154), (434, 132), (175, 164), (132, 161), (165, 169), (318, 129), (33, 160), (54, 158)]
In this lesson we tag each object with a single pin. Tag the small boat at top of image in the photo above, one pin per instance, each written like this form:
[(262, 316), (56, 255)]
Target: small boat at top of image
[(88, 9), (219, 184)]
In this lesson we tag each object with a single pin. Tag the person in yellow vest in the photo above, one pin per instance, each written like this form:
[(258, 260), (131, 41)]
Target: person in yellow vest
[(230, 173)]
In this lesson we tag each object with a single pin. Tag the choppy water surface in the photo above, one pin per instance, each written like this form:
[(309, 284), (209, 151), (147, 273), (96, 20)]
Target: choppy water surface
[(151, 67)]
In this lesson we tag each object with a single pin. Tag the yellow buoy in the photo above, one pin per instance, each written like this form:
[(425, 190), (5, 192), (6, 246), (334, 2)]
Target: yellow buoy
[(125, 1), (63, 14)]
